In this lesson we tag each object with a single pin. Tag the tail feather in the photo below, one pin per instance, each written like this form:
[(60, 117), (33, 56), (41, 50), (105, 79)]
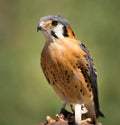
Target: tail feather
[(99, 113)]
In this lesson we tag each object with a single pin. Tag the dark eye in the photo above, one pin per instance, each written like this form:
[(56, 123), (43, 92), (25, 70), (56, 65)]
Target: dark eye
[(54, 23)]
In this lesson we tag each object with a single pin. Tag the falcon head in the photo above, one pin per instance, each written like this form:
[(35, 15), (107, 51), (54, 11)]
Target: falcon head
[(55, 27)]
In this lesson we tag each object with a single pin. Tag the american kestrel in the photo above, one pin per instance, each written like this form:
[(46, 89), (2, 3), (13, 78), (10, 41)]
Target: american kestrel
[(69, 68)]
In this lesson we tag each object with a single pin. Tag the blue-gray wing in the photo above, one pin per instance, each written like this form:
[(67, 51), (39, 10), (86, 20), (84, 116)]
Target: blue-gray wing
[(91, 75)]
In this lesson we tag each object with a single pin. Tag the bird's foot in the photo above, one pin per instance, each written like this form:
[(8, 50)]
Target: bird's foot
[(60, 117), (87, 120), (66, 114), (57, 121), (49, 120)]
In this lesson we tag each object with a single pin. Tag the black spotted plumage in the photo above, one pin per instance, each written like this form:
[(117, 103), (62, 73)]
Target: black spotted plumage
[(68, 66), (92, 76)]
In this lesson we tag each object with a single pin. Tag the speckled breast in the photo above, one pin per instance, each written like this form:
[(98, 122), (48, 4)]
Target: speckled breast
[(64, 74)]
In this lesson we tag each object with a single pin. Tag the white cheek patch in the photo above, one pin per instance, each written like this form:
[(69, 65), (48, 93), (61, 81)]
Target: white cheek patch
[(58, 30)]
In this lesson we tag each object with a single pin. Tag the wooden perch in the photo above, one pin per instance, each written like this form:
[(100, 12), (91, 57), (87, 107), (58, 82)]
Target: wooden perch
[(67, 118)]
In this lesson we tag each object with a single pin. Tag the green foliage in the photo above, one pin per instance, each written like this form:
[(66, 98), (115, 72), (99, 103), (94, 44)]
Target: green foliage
[(25, 96)]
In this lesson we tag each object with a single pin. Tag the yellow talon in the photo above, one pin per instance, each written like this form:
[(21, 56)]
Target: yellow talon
[(86, 120), (59, 117), (49, 119)]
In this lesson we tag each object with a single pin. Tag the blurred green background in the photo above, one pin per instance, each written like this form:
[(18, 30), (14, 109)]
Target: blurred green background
[(25, 96)]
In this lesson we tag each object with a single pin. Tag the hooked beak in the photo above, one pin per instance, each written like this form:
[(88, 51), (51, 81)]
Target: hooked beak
[(39, 27)]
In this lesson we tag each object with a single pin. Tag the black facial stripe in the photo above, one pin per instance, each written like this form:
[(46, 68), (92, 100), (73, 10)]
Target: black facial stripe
[(53, 34), (65, 33)]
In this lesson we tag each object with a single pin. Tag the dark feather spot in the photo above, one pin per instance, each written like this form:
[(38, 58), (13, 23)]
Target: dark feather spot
[(54, 74), (78, 67), (55, 80), (81, 90), (75, 86), (87, 85), (53, 83), (68, 81), (77, 64), (53, 34), (86, 80), (65, 32), (90, 89), (66, 72), (90, 95), (64, 85), (74, 67)]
